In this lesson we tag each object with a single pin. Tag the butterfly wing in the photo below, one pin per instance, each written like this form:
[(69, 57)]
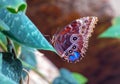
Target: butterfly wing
[(72, 41)]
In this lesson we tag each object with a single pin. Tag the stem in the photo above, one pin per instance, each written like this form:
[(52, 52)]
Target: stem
[(35, 70)]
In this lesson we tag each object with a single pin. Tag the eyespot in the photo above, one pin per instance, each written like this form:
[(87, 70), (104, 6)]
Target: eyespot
[(74, 47), (70, 51), (66, 53), (74, 38)]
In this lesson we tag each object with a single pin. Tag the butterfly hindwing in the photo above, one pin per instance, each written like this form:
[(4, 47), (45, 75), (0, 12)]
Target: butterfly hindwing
[(72, 41)]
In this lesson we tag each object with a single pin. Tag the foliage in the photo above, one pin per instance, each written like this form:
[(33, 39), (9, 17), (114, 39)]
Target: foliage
[(3, 41), (11, 67), (28, 56), (113, 31), (67, 77), (80, 78), (21, 32), (4, 79)]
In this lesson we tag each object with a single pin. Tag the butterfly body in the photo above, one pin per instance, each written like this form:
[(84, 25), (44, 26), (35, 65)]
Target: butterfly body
[(71, 42)]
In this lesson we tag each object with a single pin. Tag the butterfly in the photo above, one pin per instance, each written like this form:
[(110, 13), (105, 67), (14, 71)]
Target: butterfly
[(71, 42)]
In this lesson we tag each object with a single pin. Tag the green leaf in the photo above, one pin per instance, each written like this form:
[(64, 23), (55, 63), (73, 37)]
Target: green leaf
[(80, 78), (28, 56), (67, 75), (17, 48), (3, 26), (60, 80), (3, 42), (5, 80), (0, 61), (22, 30), (11, 67), (113, 31), (3, 38), (116, 21), (13, 6)]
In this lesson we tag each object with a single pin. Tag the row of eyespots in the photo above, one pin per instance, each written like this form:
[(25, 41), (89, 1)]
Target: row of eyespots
[(71, 50), (73, 40)]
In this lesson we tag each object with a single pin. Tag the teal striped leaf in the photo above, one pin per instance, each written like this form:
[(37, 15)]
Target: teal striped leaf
[(22, 30)]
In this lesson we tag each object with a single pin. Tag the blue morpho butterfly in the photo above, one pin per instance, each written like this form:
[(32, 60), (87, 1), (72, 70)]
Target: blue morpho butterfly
[(72, 41)]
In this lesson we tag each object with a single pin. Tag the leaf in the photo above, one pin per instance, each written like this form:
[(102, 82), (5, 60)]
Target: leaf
[(28, 56), (11, 67), (113, 31), (3, 26), (5, 80), (80, 78), (66, 75), (22, 30), (60, 80), (17, 48), (0, 61), (3, 42), (13, 6), (116, 21), (3, 38)]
